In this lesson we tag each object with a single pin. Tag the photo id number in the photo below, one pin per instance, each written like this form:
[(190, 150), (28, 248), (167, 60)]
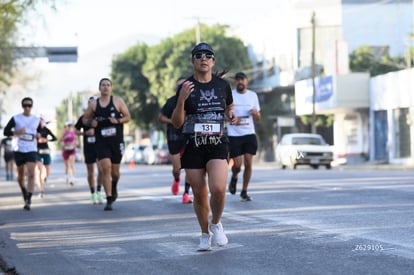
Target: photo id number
[(368, 247)]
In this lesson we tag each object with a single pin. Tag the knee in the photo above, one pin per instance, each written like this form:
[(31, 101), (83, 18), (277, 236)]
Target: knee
[(235, 169), (115, 175), (200, 193), (218, 191)]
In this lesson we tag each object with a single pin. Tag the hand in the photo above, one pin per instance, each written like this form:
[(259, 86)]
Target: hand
[(232, 117), (94, 123), (90, 132), (255, 114), (20, 131), (186, 89), (113, 120)]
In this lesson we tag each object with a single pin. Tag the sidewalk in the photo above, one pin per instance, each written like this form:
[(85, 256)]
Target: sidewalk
[(368, 165)]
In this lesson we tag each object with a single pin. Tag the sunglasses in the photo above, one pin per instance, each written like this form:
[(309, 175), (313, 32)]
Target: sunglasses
[(27, 105), (202, 55)]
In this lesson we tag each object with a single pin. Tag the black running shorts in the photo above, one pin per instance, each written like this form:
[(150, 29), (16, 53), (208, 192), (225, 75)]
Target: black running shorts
[(111, 150), (197, 157), (242, 145), (22, 158), (175, 146)]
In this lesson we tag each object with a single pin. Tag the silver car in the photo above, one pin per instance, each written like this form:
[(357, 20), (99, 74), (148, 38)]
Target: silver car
[(304, 149)]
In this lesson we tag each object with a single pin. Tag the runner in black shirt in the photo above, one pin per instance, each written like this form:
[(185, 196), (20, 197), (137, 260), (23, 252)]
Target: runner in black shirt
[(176, 142), (107, 115), (8, 156), (90, 156), (203, 102), (43, 154)]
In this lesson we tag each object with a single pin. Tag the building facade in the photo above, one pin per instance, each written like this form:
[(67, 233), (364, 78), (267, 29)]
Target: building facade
[(325, 32), (391, 117)]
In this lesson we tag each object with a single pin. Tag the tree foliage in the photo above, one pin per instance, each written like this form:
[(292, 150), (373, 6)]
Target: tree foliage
[(12, 17), (320, 120), (364, 59), (145, 75), (131, 84)]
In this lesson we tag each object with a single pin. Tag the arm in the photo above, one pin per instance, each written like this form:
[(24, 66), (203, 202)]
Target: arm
[(255, 114), (123, 109), (88, 116), (53, 137), (255, 111), (231, 114), (164, 119), (8, 132), (79, 126), (178, 116), (75, 141)]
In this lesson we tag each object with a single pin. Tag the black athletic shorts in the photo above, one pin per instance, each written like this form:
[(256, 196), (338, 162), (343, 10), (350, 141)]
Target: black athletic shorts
[(197, 157), (243, 145), (8, 156), (111, 150), (175, 146), (89, 153), (22, 158)]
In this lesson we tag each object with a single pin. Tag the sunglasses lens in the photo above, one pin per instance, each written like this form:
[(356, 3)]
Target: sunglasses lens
[(27, 105), (201, 55)]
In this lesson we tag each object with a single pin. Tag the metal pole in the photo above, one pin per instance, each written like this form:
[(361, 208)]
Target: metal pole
[(198, 31), (313, 74), (70, 110)]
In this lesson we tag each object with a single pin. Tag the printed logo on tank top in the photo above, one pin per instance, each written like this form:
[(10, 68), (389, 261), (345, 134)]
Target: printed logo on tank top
[(208, 101)]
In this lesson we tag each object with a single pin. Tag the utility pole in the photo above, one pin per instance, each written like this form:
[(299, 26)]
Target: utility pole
[(198, 31), (197, 27), (70, 107), (313, 74)]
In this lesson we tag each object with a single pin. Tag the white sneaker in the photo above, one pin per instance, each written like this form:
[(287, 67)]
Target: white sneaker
[(93, 198), (205, 242), (218, 234), (100, 197)]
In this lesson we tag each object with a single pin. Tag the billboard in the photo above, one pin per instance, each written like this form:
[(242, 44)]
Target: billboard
[(325, 95)]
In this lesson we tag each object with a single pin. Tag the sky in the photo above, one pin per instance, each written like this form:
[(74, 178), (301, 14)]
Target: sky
[(103, 28)]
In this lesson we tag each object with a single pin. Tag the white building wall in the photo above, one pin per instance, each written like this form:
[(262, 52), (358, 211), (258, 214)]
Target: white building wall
[(390, 92), (351, 134)]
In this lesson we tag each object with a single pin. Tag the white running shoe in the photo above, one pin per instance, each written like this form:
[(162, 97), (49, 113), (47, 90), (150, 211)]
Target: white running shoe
[(205, 242), (100, 197), (93, 198), (218, 234)]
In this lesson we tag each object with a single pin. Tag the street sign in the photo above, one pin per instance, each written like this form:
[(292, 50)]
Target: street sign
[(54, 54)]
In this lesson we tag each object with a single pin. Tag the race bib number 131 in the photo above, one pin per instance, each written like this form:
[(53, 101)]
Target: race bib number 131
[(207, 128)]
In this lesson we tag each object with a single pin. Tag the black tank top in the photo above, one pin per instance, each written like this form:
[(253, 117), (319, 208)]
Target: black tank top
[(106, 131)]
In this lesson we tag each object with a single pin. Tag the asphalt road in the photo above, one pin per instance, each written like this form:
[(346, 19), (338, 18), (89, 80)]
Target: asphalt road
[(304, 221)]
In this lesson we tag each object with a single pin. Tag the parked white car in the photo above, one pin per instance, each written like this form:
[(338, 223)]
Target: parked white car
[(304, 149), (140, 154)]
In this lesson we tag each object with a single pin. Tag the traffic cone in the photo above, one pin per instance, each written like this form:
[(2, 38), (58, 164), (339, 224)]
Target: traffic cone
[(131, 164)]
